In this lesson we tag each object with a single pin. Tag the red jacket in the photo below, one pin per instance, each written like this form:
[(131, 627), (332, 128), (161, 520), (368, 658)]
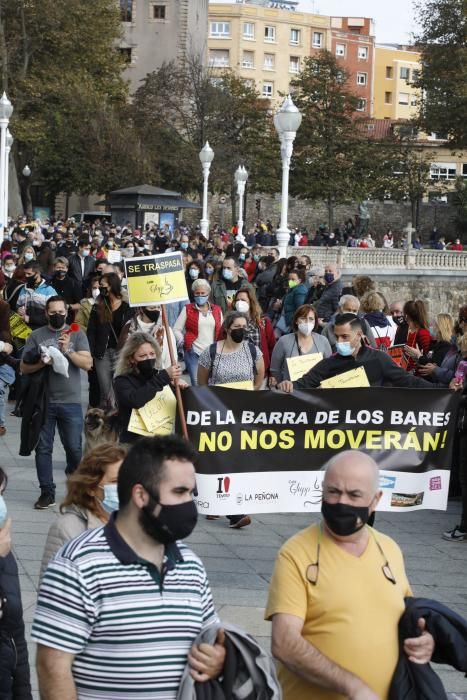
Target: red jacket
[(267, 341), (192, 320), (250, 269)]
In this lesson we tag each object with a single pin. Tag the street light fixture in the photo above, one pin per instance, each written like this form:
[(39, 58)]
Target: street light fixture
[(6, 110), (287, 121), (241, 176), (206, 156), (26, 171)]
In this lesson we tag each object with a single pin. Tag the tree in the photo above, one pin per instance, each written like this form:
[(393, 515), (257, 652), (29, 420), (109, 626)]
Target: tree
[(334, 158), (63, 73), (179, 107), (443, 77)]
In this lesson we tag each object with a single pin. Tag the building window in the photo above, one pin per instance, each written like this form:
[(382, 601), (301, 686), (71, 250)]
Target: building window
[(340, 77), (340, 49), (219, 58), (403, 98), (464, 169), (269, 33), (126, 10), (388, 98), (126, 55), (220, 30), (413, 101), (362, 78), (248, 31), (363, 53), (405, 73), (248, 59), (361, 105), (268, 89), (317, 40), (269, 61), (443, 171), (159, 12), (295, 36), (389, 72), (294, 64)]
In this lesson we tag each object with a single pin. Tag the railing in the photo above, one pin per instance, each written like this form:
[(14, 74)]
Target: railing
[(387, 259)]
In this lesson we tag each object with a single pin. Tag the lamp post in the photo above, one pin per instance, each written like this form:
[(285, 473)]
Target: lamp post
[(241, 176), (206, 156), (6, 110), (8, 145), (287, 121), (27, 206)]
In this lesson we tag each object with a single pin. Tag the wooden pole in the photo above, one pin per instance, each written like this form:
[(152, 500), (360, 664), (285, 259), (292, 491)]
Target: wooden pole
[(173, 360)]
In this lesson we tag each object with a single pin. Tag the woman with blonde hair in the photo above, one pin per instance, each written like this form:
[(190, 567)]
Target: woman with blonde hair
[(439, 363), (137, 381), (91, 497), (373, 305)]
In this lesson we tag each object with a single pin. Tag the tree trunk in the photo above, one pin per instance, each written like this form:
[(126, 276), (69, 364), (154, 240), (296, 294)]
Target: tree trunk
[(330, 212)]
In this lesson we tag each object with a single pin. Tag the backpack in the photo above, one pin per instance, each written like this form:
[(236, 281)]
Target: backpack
[(253, 352), (382, 342)]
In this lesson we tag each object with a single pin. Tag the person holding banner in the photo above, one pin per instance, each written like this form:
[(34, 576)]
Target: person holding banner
[(353, 354), (137, 381), (337, 595), (302, 341), (234, 359)]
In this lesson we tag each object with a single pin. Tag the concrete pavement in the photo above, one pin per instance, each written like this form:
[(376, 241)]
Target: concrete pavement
[(239, 563)]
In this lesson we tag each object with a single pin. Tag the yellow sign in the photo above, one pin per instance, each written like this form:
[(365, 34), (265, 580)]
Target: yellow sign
[(247, 385), (157, 417), (352, 379), (155, 279), (298, 366)]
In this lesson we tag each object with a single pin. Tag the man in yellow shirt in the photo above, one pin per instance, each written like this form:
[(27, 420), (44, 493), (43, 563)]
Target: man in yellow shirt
[(337, 594)]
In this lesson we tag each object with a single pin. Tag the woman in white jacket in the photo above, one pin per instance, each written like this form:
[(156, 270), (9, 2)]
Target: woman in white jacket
[(91, 497)]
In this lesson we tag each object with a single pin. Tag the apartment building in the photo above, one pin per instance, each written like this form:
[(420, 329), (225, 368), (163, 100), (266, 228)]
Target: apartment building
[(396, 69), (158, 31), (265, 42), (353, 44)]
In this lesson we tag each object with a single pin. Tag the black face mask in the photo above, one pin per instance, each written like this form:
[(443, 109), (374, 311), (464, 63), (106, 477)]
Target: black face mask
[(60, 274), (343, 519), (398, 320), (172, 523), (237, 335), (146, 368), (152, 315), (31, 282), (57, 321), (104, 291)]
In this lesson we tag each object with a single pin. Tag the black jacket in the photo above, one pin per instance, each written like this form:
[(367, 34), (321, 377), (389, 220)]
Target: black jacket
[(14, 666), (76, 273), (379, 367), (32, 405), (419, 681), (329, 300), (134, 391), (98, 333)]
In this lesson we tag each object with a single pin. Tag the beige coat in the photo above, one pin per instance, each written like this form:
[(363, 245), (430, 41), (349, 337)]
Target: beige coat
[(69, 524)]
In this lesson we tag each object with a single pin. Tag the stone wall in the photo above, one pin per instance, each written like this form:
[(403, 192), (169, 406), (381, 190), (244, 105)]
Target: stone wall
[(303, 212)]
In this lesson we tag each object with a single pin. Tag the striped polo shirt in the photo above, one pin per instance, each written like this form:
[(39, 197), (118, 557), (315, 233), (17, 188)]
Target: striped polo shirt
[(129, 626)]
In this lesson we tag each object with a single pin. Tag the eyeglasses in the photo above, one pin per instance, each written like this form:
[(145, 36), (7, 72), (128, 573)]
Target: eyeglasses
[(312, 570)]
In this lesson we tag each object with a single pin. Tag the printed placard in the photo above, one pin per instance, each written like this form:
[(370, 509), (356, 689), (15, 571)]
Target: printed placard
[(155, 279)]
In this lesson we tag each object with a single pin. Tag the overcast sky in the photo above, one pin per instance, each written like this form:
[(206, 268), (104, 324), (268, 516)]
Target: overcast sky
[(394, 19)]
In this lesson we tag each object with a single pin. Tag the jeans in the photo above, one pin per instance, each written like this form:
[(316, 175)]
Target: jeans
[(191, 364), (68, 418), (105, 371), (7, 377)]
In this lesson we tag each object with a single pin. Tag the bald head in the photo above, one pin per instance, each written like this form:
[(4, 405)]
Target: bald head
[(355, 471)]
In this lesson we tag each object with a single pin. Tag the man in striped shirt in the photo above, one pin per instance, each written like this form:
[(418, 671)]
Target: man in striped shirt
[(119, 607)]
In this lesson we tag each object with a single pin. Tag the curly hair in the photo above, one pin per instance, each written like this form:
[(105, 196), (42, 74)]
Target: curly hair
[(132, 343), (363, 284), (82, 484)]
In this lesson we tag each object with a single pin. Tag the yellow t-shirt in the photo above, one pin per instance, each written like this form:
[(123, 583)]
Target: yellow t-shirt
[(351, 615)]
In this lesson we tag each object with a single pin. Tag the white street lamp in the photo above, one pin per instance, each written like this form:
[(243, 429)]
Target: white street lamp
[(287, 121), (8, 145), (206, 156), (26, 171), (6, 110), (241, 176)]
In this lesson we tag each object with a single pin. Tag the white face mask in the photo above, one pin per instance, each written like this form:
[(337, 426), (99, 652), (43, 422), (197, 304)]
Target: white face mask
[(242, 306), (305, 327), (95, 293)]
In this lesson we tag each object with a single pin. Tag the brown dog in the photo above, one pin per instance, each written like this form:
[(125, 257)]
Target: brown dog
[(99, 427)]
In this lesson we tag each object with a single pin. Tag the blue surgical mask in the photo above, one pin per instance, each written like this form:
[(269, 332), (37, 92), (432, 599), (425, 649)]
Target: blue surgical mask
[(344, 349), (110, 502), (227, 274), (194, 273), (256, 258), (328, 277), (200, 300), (241, 257), (3, 512), (209, 270), (184, 245)]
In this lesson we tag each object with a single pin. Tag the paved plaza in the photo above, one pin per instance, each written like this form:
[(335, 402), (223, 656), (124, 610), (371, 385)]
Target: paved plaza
[(239, 563)]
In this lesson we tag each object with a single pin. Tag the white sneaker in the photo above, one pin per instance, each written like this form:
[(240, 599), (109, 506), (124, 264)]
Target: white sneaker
[(455, 535)]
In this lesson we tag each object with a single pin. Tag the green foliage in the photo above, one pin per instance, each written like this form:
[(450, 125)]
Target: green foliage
[(178, 108), (460, 201), (443, 78)]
